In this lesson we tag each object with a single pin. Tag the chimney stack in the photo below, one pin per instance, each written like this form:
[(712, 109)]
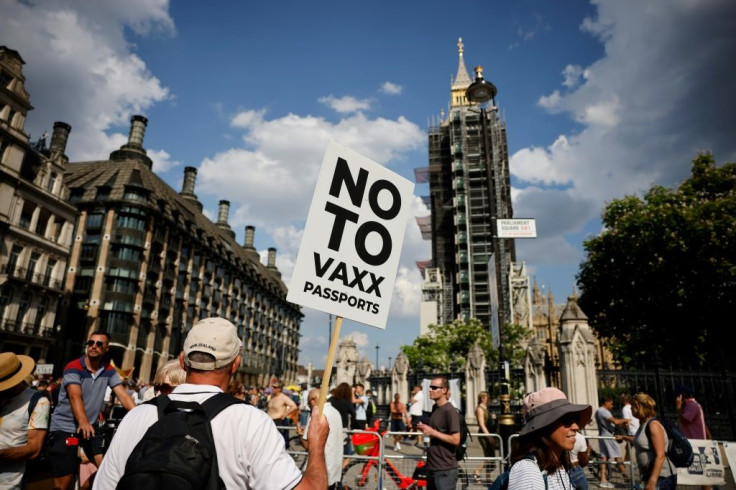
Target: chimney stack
[(59, 140), (137, 131), (271, 258), (250, 232), (133, 149), (222, 214), (190, 178)]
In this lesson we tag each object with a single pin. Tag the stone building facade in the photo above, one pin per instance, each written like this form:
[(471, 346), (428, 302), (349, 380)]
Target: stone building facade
[(36, 222), (146, 264)]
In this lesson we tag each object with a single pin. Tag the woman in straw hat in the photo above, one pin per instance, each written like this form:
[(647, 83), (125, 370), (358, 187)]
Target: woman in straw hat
[(541, 459)]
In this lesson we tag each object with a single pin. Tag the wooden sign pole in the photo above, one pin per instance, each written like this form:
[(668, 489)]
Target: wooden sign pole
[(330, 361)]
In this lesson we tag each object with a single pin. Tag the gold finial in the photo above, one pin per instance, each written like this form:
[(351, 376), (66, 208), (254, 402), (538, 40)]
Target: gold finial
[(478, 72), (460, 45)]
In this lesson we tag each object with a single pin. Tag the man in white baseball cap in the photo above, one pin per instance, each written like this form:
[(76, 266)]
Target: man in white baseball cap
[(250, 451)]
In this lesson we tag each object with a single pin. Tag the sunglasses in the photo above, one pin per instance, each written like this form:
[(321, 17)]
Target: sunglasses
[(568, 420), (164, 388), (99, 343), (433, 387)]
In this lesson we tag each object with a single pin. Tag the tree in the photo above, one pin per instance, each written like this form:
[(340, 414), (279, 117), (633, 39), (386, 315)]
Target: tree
[(660, 281), (443, 343)]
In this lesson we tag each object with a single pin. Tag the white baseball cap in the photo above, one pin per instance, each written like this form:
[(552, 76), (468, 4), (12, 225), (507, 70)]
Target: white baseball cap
[(215, 336)]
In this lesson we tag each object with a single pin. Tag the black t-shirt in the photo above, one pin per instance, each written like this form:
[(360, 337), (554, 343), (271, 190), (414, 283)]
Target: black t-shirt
[(441, 455), (347, 412)]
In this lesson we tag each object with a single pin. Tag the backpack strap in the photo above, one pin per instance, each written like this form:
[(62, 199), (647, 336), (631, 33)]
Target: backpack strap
[(216, 404), (33, 402)]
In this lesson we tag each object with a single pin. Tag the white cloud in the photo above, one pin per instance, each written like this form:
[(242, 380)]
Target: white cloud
[(572, 74), (644, 110), (346, 104), (81, 70), (391, 88), (161, 160), (360, 338)]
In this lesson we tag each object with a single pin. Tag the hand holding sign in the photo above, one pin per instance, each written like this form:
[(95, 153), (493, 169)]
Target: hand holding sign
[(352, 241)]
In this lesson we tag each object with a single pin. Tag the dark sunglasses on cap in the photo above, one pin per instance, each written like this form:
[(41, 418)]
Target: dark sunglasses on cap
[(434, 387), (164, 388), (99, 343)]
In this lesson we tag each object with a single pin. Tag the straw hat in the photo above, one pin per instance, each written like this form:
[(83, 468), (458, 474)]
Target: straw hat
[(546, 406), (14, 369)]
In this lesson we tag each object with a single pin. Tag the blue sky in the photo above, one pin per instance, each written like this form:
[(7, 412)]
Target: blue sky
[(601, 99)]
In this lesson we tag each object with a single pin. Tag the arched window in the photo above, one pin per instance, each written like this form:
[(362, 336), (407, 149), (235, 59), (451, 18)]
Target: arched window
[(6, 294), (52, 182)]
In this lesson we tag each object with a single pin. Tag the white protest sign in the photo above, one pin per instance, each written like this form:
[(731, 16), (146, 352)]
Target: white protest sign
[(44, 369), (707, 467), (352, 240)]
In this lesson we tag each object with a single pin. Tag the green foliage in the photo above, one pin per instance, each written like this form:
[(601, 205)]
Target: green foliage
[(443, 343), (661, 277)]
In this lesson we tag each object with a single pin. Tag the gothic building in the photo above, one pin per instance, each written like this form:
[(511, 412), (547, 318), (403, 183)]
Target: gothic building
[(469, 274), (146, 264), (36, 222)]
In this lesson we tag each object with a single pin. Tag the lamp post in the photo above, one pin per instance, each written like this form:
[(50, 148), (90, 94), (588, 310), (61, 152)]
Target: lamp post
[(377, 347), (482, 91)]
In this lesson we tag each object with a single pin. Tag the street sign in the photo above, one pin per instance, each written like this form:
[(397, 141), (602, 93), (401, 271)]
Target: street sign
[(516, 228), (44, 369), (352, 239)]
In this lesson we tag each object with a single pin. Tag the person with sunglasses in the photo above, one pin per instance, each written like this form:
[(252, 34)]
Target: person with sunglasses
[(541, 457), (444, 433), (74, 420)]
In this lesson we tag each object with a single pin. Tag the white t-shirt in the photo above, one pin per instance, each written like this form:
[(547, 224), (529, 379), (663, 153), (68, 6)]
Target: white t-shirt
[(581, 445), (14, 427), (250, 451), (417, 404), (633, 421), (334, 445)]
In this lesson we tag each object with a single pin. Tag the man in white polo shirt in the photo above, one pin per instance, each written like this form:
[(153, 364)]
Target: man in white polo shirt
[(250, 451)]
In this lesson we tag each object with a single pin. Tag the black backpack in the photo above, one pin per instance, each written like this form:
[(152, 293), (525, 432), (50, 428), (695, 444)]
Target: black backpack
[(679, 451), (462, 448), (177, 451)]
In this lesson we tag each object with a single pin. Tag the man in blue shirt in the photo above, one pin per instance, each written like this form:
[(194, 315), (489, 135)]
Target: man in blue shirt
[(74, 420)]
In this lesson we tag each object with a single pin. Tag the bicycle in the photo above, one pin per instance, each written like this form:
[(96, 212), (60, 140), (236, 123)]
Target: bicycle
[(364, 473)]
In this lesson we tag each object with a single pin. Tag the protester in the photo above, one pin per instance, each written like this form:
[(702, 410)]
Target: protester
[(304, 409), (334, 445), (691, 417), (168, 377), (80, 401), (342, 401), (650, 445), (21, 434), (416, 408), (609, 448), (632, 422), (360, 402), (370, 408), (398, 415), (545, 441), (444, 432), (250, 451), (280, 408), (485, 423)]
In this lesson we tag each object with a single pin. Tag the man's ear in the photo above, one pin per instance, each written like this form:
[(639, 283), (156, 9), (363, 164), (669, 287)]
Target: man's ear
[(235, 365), (182, 364)]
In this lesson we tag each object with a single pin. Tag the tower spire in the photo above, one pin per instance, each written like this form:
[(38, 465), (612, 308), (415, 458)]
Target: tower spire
[(462, 79)]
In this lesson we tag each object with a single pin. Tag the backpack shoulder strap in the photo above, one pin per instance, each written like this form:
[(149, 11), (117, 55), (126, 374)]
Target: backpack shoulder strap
[(33, 402), (218, 403)]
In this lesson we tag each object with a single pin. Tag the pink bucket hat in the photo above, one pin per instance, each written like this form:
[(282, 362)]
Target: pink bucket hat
[(546, 406)]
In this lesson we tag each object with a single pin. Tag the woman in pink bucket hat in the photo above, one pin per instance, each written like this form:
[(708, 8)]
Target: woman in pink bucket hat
[(541, 458)]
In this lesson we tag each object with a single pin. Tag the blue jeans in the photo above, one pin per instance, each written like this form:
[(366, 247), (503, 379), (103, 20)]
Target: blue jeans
[(578, 479), (442, 480)]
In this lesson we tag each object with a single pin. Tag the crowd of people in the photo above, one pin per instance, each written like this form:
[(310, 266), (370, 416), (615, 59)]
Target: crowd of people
[(66, 418)]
